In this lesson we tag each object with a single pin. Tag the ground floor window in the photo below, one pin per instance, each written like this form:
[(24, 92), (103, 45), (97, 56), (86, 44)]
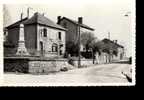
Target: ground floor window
[(54, 47)]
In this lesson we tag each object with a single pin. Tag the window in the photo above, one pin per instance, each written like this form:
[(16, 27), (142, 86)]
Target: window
[(5, 36), (59, 35), (84, 49), (5, 33), (45, 32), (54, 47)]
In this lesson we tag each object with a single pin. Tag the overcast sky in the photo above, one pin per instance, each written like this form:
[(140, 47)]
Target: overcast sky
[(102, 15)]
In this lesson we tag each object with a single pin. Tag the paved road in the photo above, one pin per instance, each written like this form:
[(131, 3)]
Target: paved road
[(108, 73)]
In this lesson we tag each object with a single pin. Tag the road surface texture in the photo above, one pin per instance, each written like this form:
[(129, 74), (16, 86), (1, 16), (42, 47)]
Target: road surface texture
[(106, 73)]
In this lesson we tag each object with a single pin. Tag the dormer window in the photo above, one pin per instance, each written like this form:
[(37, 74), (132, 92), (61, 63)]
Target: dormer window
[(45, 32)]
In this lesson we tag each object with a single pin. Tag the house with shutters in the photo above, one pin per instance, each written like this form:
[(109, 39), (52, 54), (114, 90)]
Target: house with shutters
[(42, 36), (73, 27)]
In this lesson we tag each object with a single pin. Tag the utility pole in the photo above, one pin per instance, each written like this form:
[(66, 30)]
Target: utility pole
[(79, 42), (109, 55), (21, 17), (28, 12), (93, 56)]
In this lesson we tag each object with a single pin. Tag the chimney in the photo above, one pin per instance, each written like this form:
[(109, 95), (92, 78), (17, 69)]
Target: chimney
[(27, 12), (115, 41), (21, 16), (43, 14), (58, 19), (36, 14), (80, 20)]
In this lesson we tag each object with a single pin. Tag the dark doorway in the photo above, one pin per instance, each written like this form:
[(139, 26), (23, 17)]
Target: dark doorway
[(41, 48)]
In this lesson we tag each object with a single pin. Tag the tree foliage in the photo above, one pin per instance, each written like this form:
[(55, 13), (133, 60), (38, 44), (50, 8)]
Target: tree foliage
[(72, 48), (87, 40), (6, 16)]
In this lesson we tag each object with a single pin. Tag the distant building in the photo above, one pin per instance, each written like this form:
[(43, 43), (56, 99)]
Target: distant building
[(72, 29), (42, 36), (116, 49), (109, 50)]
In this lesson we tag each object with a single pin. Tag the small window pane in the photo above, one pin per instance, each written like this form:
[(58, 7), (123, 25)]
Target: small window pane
[(45, 32), (59, 35)]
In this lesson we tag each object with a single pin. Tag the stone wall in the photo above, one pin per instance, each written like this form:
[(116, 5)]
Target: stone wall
[(30, 36), (84, 62), (34, 65), (47, 66), (16, 65), (13, 36), (37, 65)]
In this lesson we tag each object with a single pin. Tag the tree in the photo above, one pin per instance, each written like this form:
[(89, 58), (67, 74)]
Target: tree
[(86, 39), (72, 48), (6, 16), (93, 44)]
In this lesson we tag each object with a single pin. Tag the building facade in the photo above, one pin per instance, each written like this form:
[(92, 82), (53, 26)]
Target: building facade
[(42, 37), (72, 26)]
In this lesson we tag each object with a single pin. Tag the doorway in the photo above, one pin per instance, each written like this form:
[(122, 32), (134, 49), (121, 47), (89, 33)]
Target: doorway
[(41, 48)]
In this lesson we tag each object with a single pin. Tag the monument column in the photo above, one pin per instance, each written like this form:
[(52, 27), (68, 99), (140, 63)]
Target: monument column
[(21, 50)]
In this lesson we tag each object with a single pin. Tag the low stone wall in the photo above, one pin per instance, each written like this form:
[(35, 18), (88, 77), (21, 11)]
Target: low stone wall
[(34, 65), (46, 66), (84, 62), (16, 65)]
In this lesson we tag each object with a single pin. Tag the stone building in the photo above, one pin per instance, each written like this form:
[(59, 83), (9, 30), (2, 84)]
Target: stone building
[(72, 26), (42, 36)]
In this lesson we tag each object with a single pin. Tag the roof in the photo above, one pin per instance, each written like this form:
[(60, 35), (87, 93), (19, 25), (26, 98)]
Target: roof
[(116, 44), (37, 18), (40, 19), (75, 22), (17, 23), (107, 44)]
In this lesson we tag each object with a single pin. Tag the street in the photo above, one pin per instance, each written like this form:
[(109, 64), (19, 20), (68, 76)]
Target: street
[(106, 73)]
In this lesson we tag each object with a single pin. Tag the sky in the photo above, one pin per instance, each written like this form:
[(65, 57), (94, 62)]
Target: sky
[(102, 15)]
